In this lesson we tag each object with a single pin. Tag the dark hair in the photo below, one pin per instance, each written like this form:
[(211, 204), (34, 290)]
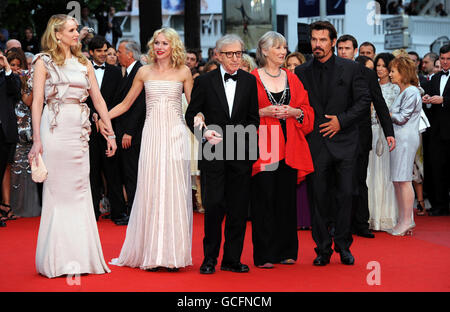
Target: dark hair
[(324, 25), (192, 51), (344, 38), (97, 42), (386, 57), (367, 44), (444, 49), (414, 53), (17, 53), (209, 64), (433, 56), (362, 59)]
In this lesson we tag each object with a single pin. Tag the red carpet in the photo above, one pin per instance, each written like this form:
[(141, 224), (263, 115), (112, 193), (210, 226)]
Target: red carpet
[(417, 264)]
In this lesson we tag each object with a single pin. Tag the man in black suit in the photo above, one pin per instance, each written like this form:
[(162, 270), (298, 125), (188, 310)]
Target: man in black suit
[(438, 94), (129, 125), (108, 79), (339, 95), (228, 98), (347, 46), (9, 96)]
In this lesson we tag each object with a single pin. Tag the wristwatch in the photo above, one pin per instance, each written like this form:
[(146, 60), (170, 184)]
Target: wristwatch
[(111, 136)]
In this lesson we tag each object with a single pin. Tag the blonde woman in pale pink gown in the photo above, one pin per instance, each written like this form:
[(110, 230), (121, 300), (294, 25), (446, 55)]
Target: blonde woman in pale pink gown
[(68, 240), (159, 233)]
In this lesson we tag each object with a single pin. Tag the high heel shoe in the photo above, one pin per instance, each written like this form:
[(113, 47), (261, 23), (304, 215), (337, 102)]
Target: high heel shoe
[(407, 231)]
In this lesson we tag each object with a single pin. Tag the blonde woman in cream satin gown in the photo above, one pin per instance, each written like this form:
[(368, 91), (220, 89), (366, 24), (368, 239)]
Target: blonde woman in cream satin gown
[(68, 240), (159, 232)]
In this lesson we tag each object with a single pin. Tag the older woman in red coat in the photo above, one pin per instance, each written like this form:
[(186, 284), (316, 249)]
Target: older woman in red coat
[(285, 118)]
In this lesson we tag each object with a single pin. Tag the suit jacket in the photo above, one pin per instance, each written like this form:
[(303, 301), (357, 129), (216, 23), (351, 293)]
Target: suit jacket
[(110, 84), (365, 126), (440, 114), (132, 122), (348, 99), (208, 96), (9, 96), (103, 27)]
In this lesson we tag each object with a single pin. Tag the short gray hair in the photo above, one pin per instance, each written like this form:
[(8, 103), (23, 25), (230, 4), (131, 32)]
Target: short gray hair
[(228, 39), (133, 47), (29, 55), (268, 40)]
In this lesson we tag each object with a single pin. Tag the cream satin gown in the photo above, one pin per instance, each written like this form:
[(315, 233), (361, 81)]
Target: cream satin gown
[(68, 240), (159, 232)]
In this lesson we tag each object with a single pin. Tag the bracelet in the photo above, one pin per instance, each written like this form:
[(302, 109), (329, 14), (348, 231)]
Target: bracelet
[(111, 136), (300, 118)]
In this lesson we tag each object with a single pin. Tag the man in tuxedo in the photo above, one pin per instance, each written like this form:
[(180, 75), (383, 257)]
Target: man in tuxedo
[(339, 95), (9, 96), (438, 95), (129, 125), (227, 97), (108, 79), (347, 47)]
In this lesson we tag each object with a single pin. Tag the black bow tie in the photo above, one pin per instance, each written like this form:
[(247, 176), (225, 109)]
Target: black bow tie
[(101, 67), (445, 73), (228, 76)]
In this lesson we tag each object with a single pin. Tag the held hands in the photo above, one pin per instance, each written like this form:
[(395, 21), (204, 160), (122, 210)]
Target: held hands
[(280, 112), (436, 99), (391, 143), (35, 150), (111, 146), (213, 137), (330, 128)]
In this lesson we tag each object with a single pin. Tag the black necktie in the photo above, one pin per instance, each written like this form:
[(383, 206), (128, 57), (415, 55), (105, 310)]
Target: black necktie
[(445, 73), (228, 76), (101, 67)]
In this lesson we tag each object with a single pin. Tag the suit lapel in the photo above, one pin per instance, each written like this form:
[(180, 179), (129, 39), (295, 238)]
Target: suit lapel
[(446, 88), (220, 90)]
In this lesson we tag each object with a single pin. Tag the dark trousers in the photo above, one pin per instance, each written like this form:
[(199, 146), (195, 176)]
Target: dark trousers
[(360, 207), (109, 166), (225, 191), (274, 215), (5, 155), (440, 159), (322, 194), (129, 160)]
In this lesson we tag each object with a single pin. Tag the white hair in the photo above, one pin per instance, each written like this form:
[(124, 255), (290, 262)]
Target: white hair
[(268, 40), (228, 39)]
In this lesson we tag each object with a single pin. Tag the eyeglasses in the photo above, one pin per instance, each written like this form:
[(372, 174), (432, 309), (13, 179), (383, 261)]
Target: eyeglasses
[(230, 54)]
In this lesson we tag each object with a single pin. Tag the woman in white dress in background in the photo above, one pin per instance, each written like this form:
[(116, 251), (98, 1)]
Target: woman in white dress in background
[(382, 202), (159, 232)]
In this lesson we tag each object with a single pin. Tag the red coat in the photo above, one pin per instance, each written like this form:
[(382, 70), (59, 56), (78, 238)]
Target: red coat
[(273, 147)]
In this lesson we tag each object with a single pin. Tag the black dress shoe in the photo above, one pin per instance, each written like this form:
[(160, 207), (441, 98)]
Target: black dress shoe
[(208, 267), (346, 257), (2, 223), (365, 233), (321, 260), (121, 221), (235, 267)]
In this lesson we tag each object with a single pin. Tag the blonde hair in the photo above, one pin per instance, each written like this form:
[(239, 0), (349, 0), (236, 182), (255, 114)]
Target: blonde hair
[(248, 61), (50, 45), (178, 50), (400, 52), (300, 57)]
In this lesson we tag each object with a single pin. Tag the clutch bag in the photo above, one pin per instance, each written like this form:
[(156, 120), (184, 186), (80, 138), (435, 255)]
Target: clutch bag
[(379, 147), (38, 172)]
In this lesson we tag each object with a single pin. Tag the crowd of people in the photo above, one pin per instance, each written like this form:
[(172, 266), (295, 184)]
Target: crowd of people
[(340, 144)]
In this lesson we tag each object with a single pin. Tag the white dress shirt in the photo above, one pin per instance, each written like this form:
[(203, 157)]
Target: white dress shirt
[(129, 68), (230, 88), (99, 73)]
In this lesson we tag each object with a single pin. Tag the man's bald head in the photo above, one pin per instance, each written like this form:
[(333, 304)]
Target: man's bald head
[(13, 43)]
